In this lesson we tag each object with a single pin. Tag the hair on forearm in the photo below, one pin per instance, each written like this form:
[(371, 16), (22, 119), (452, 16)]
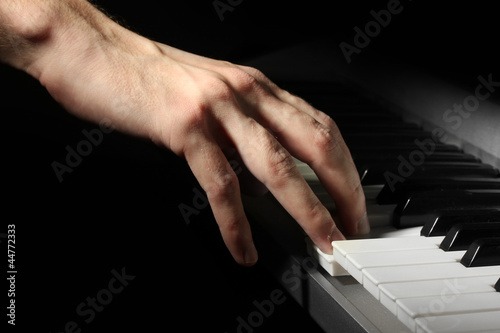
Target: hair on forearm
[(10, 45), (116, 18)]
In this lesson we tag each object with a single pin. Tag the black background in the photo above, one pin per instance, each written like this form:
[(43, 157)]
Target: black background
[(119, 208)]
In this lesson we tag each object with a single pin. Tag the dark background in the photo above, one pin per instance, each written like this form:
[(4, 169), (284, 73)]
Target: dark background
[(454, 38), (119, 208)]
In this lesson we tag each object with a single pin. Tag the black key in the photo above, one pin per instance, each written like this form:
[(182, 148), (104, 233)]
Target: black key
[(497, 285), (377, 175), (376, 139), (424, 207), (399, 148), (311, 89), (373, 165), (376, 158), (390, 125), (369, 114), (456, 170), (482, 252), (401, 190), (461, 236), (441, 225)]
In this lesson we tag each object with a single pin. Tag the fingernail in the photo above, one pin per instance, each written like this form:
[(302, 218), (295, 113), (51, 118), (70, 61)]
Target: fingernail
[(336, 234), (363, 225)]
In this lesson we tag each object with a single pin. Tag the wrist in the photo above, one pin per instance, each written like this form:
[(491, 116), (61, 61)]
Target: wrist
[(75, 28)]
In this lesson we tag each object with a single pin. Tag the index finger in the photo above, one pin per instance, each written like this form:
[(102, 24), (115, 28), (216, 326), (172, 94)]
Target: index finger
[(331, 160), (273, 165), (314, 138)]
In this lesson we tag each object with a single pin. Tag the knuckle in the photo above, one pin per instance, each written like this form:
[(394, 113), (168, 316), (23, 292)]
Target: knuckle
[(222, 187), (195, 116), (324, 138), (231, 227), (254, 72), (214, 88), (292, 98), (280, 164), (178, 130), (219, 90), (242, 81), (327, 120)]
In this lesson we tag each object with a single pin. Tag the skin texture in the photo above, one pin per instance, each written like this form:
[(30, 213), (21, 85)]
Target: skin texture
[(202, 109)]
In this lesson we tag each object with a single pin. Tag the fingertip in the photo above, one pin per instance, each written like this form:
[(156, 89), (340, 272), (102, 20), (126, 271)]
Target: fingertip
[(335, 235), (363, 225), (248, 257), (251, 256), (325, 243)]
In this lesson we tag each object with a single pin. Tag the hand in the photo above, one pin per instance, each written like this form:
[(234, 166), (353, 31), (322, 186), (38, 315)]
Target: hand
[(200, 108)]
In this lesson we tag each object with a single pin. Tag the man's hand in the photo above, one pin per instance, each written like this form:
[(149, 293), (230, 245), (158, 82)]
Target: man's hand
[(199, 108)]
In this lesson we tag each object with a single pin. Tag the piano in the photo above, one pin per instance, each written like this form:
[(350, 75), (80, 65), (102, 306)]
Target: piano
[(431, 262), (63, 246)]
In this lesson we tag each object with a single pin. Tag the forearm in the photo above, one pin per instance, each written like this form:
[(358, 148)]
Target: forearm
[(35, 33)]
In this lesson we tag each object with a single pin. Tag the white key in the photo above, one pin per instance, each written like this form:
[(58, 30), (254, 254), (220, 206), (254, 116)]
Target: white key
[(373, 277), (328, 262), (379, 215), (356, 262), (325, 260), (485, 322), (306, 171), (411, 308), (310, 176), (391, 292), (372, 191), (301, 165), (391, 232), (342, 248)]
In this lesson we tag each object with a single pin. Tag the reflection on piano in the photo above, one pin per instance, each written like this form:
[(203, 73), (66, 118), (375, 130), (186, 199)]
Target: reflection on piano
[(432, 260)]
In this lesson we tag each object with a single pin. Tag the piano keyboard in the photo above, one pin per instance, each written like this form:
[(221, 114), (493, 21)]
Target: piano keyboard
[(433, 255), (443, 187)]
